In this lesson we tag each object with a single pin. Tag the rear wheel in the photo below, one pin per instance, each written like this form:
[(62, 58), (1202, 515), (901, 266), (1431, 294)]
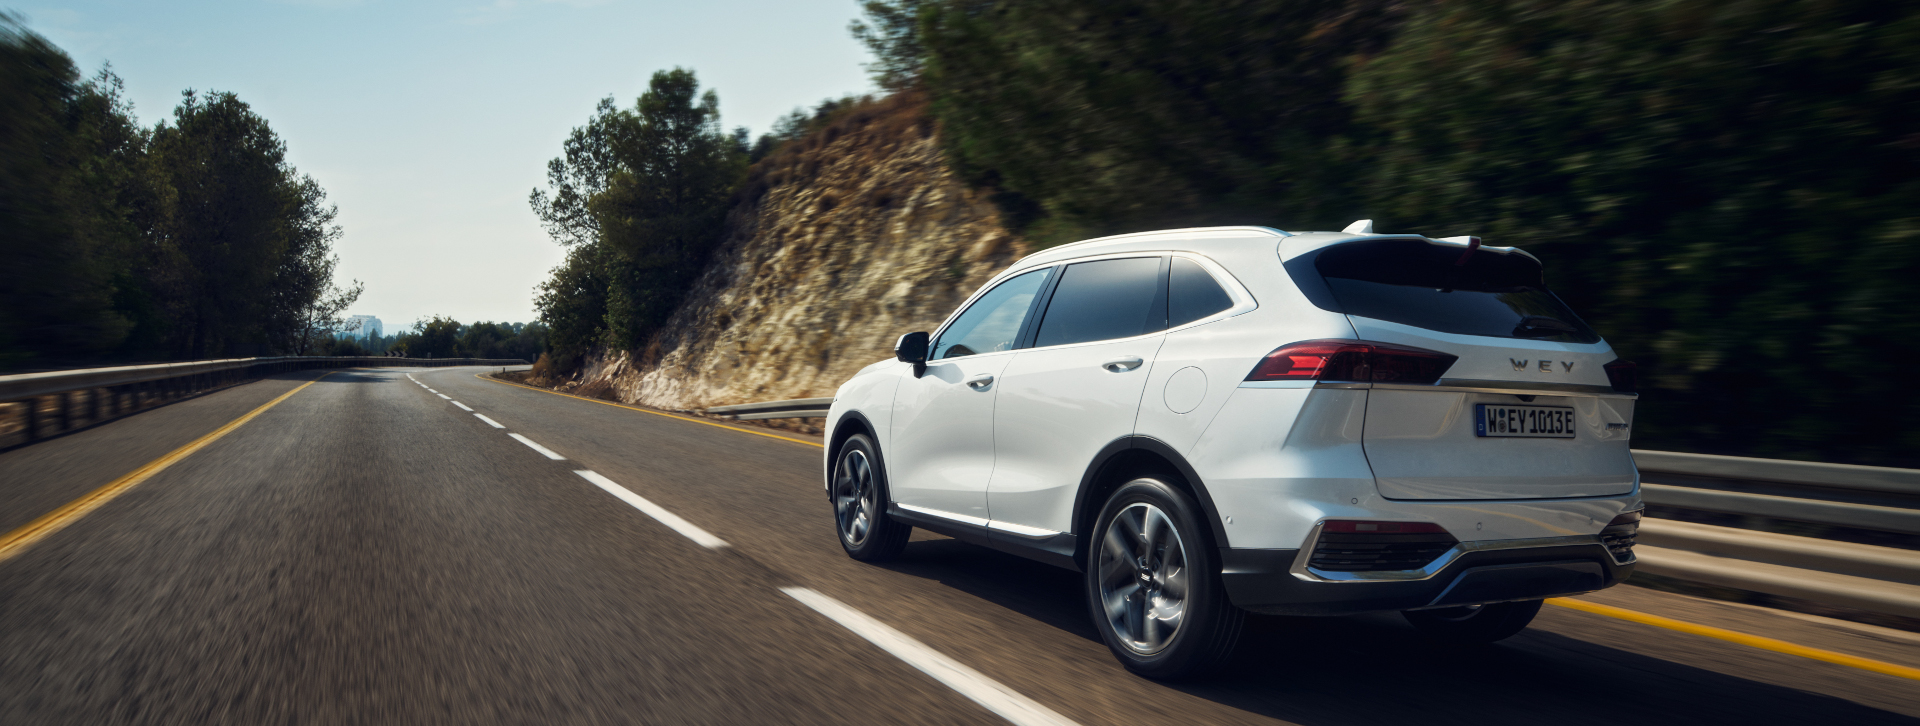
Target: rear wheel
[(1153, 584), (859, 494), (1474, 624)]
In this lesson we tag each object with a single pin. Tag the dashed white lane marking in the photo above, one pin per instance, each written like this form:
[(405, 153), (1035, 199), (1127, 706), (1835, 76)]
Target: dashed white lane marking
[(1001, 700), (684, 527), (442, 395), (536, 447), (462, 406), (429, 390), (490, 422)]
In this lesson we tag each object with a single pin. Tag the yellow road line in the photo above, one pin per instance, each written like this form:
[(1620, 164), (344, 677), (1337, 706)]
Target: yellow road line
[(20, 539), (1752, 641), (485, 377)]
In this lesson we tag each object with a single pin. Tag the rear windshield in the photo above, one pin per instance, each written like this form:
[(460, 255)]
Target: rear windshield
[(1414, 282)]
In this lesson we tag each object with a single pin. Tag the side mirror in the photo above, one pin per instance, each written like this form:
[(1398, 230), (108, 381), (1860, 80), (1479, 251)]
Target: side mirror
[(912, 348)]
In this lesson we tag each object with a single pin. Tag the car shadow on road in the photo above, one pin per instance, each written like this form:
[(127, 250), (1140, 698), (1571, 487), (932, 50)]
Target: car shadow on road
[(1376, 669)]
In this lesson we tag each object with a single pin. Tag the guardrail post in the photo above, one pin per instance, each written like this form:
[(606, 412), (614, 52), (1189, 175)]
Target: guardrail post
[(33, 418), (66, 413), (93, 405)]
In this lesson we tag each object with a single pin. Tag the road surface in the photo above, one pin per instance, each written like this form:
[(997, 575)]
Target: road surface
[(369, 550)]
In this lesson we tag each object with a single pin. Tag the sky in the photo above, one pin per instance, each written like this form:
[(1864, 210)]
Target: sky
[(429, 122)]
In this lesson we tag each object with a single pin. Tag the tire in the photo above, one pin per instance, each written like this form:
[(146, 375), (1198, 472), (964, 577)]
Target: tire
[(1474, 624), (1151, 560), (858, 490)]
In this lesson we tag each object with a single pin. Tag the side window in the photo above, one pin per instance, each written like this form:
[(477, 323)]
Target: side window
[(1104, 300), (993, 321), (1193, 294)]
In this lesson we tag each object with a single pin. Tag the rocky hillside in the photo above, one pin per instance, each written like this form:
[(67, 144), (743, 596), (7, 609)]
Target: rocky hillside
[(844, 240)]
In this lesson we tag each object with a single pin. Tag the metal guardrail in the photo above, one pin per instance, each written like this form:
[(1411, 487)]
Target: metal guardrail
[(90, 395), (793, 408)]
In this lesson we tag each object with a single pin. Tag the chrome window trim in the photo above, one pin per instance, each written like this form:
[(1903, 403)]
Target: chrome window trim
[(1511, 388), (1302, 571), (1243, 300)]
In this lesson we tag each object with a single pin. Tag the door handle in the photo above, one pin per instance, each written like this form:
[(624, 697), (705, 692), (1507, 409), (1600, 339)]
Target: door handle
[(1122, 365), (980, 382)]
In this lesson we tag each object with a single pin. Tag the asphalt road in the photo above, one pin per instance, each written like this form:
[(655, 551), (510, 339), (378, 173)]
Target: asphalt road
[(367, 551)]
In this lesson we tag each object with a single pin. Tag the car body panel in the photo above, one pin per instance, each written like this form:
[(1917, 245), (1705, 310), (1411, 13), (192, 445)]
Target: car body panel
[(1057, 408), (942, 436)]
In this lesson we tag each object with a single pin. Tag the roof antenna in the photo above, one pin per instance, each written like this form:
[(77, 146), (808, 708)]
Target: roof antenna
[(1364, 226)]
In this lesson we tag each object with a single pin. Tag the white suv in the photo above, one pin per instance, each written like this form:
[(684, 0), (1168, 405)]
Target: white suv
[(1206, 421)]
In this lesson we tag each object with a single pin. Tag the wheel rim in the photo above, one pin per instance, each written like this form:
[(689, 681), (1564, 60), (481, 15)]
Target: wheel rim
[(853, 493), (1143, 578)]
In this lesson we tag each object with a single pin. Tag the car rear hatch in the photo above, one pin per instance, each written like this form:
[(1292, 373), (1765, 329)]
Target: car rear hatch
[(1526, 410)]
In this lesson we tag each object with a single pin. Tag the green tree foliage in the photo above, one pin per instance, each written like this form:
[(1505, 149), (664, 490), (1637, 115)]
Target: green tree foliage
[(525, 341), (248, 238), (1730, 191), (640, 196), (190, 239), (573, 303), (1120, 115), (56, 286), (891, 31), (436, 337)]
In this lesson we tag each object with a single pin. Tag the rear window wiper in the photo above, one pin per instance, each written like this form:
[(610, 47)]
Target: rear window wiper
[(1540, 326)]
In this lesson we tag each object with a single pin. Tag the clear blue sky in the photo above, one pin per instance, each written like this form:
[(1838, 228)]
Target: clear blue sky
[(428, 122)]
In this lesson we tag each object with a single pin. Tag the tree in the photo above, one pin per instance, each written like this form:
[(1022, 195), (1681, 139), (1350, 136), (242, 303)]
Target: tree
[(1121, 115), (891, 31), (582, 172), (246, 241), (435, 337), (56, 288), (640, 198)]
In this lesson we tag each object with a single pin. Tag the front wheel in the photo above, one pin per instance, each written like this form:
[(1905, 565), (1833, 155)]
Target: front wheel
[(1153, 584), (859, 494), (1474, 624)]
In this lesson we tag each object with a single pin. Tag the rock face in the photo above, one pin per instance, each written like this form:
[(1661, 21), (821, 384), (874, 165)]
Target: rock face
[(844, 240)]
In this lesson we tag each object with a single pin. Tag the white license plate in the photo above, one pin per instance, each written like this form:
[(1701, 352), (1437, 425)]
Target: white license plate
[(1528, 422)]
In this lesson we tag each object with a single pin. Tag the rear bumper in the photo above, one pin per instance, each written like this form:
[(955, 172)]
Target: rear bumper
[(1268, 581)]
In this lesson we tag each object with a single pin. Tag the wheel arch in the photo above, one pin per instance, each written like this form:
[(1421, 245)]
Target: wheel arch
[(1115, 465), (849, 424)]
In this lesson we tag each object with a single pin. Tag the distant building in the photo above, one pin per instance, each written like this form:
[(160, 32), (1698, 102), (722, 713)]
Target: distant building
[(361, 326)]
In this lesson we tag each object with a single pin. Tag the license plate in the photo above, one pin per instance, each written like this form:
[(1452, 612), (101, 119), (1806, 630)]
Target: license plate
[(1527, 422)]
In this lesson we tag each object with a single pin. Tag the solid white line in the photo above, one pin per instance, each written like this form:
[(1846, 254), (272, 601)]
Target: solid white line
[(1006, 702), (537, 447), (462, 406), (684, 527), (490, 422), (442, 395)]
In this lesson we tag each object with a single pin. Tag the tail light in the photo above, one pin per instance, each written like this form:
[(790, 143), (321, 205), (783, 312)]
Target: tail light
[(1351, 360), (1621, 373)]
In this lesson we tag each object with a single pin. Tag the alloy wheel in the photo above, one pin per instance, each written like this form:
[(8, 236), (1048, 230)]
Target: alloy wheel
[(1143, 578), (853, 497)]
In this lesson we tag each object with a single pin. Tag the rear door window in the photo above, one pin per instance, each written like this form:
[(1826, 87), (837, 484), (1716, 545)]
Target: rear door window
[(1105, 299), (1445, 289), (992, 323), (1193, 294)]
